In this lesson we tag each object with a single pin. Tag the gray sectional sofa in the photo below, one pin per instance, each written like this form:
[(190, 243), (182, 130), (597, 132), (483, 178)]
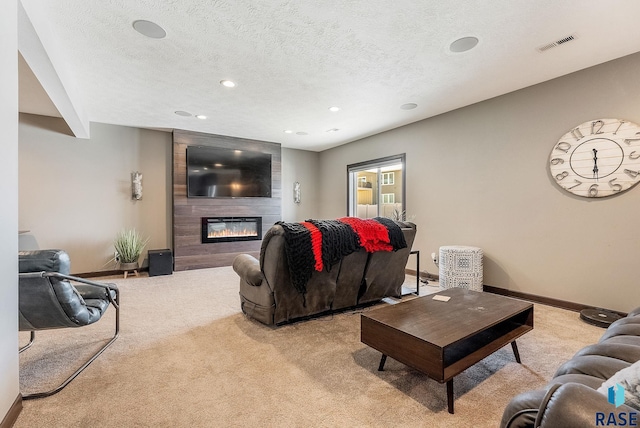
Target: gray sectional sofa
[(268, 295), (572, 399)]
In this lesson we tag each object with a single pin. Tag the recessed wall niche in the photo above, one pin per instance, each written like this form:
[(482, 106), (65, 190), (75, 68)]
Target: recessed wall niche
[(189, 251)]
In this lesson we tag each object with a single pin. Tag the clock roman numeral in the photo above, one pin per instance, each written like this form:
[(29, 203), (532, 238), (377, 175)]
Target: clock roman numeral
[(577, 134)]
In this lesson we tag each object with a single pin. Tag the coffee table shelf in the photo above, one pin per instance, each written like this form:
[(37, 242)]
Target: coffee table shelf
[(468, 360), (442, 339)]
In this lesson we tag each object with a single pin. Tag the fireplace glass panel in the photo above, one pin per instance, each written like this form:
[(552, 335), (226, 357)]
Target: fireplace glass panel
[(226, 229)]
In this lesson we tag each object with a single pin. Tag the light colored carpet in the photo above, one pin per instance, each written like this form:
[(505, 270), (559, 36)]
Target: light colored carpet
[(186, 356)]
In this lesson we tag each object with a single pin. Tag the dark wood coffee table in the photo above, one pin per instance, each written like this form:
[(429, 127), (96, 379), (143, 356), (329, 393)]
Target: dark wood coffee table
[(442, 339)]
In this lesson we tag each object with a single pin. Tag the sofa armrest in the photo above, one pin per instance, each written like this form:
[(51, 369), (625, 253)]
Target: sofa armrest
[(522, 410), (248, 268), (573, 405)]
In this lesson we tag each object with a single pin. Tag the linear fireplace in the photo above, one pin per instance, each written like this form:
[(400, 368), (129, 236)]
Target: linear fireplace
[(228, 229)]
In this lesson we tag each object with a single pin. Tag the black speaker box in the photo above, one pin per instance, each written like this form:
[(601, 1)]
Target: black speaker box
[(160, 262)]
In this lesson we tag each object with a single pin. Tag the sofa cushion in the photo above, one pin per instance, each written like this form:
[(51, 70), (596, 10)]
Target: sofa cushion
[(593, 365), (626, 320), (624, 340), (629, 378), (626, 329), (625, 352), (592, 382)]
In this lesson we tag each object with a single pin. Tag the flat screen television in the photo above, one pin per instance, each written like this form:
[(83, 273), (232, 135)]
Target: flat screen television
[(214, 172)]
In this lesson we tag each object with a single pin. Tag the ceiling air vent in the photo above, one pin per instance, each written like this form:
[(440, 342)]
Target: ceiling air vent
[(559, 42)]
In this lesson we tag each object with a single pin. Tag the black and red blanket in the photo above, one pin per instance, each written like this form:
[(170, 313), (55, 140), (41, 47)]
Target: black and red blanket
[(319, 244)]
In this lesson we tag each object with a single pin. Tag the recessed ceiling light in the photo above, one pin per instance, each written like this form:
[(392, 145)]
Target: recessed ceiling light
[(334, 109), (464, 44), (183, 113), (201, 116), (408, 106), (333, 130), (302, 133), (149, 29), (228, 83), (288, 131)]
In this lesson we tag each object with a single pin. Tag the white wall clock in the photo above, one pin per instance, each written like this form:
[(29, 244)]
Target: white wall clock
[(597, 158)]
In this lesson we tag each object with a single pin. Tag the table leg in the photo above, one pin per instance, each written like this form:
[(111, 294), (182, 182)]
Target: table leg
[(382, 361), (515, 351), (450, 395), (417, 253), (417, 273)]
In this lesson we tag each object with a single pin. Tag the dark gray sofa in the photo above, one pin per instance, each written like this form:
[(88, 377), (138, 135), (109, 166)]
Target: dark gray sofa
[(571, 398), (268, 295)]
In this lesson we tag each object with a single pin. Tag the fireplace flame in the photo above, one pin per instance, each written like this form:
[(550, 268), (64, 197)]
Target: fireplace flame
[(222, 233), (220, 229)]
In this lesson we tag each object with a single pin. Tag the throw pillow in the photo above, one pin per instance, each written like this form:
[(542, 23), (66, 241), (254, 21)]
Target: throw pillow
[(629, 378)]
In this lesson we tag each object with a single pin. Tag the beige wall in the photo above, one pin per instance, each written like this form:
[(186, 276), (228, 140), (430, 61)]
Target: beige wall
[(9, 196), (75, 194), (475, 176), (479, 176), (300, 166)]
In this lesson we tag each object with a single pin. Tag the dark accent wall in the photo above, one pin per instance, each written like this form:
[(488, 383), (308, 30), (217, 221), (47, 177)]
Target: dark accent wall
[(189, 252)]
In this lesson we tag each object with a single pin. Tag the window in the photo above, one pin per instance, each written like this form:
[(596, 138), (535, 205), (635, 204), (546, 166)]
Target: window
[(387, 178), (365, 185)]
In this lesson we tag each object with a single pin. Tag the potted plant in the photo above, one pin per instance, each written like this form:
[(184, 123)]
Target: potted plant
[(400, 215), (129, 245)]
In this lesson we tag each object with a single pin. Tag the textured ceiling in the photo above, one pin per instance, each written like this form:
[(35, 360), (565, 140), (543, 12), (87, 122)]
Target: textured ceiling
[(292, 60)]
